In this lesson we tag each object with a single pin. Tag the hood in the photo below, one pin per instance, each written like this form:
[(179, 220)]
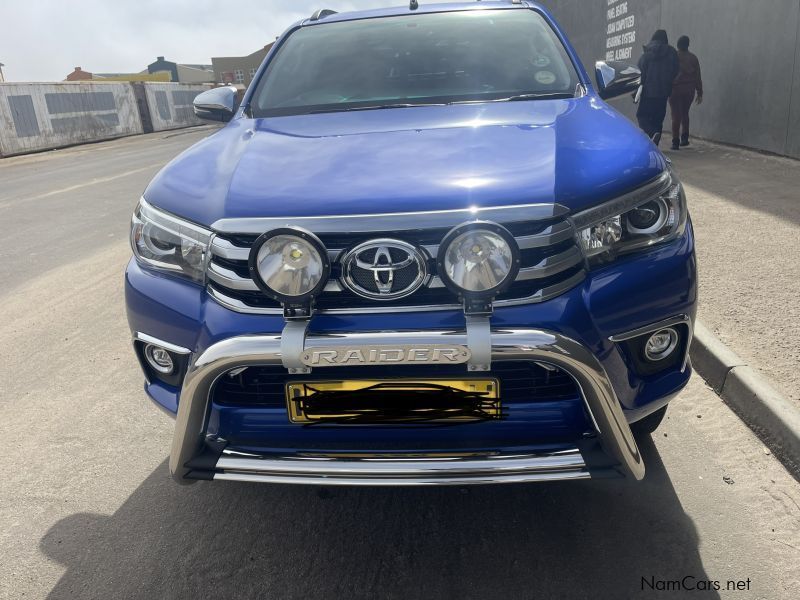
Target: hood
[(657, 49), (576, 152)]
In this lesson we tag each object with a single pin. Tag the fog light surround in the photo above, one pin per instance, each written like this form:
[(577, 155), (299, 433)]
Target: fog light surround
[(661, 344), (159, 359)]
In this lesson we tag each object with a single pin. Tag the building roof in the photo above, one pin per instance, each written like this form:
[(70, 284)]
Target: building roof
[(198, 67), (259, 51), (161, 59), (78, 75), (159, 76)]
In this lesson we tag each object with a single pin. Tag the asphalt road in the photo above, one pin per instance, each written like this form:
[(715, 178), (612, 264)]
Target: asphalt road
[(87, 509)]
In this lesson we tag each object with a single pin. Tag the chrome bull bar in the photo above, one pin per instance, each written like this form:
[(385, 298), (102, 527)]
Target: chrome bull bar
[(613, 431)]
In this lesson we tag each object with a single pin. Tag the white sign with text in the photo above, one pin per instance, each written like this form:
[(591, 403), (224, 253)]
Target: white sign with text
[(620, 30)]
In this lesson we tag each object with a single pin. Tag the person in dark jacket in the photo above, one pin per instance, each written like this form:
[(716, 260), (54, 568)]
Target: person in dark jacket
[(686, 84), (659, 67)]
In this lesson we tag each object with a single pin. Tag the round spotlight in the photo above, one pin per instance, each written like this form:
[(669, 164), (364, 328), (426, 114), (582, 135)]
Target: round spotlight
[(159, 359), (661, 344), (648, 218), (289, 264), (479, 259)]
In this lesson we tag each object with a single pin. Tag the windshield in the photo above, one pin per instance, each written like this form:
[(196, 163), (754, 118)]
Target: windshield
[(439, 58)]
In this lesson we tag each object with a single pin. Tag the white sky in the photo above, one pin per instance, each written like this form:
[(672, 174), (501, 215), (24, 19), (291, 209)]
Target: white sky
[(43, 40)]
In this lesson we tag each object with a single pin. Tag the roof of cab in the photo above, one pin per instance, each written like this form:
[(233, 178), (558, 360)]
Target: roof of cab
[(424, 7)]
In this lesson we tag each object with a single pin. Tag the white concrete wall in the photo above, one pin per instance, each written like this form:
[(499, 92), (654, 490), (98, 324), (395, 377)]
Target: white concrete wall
[(40, 116), (171, 104)]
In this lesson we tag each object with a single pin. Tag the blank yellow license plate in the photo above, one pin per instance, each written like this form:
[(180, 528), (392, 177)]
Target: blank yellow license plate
[(393, 401)]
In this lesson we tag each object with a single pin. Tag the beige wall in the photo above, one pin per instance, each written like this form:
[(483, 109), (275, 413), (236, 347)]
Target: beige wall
[(191, 75), (240, 68)]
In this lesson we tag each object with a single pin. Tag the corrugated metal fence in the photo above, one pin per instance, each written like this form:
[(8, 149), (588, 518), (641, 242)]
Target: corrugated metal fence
[(40, 116)]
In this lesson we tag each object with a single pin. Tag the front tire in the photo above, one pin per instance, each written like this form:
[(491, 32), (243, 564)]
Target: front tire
[(649, 424)]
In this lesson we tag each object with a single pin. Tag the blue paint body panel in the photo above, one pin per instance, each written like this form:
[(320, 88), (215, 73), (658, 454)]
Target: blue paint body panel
[(577, 152)]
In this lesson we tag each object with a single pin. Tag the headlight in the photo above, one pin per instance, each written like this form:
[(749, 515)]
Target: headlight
[(479, 259), (643, 218), (163, 241), (290, 264)]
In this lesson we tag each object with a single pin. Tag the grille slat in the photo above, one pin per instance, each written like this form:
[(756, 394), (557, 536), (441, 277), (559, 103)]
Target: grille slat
[(552, 263), (549, 236), (520, 382), (230, 279)]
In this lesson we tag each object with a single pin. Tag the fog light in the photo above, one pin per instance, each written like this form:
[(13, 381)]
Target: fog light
[(290, 264), (478, 259), (159, 359), (661, 344)]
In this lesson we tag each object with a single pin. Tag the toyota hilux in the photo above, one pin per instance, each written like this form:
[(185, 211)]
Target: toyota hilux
[(422, 250)]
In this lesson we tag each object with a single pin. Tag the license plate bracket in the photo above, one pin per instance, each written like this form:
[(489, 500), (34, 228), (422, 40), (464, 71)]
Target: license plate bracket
[(392, 401)]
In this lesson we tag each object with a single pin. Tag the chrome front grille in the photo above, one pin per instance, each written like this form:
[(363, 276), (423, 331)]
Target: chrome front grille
[(552, 263)]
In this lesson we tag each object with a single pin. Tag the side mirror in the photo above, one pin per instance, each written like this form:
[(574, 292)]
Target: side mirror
[(217, 104), (616, 78)]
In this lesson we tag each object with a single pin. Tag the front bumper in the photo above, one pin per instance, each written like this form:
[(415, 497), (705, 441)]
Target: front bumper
[(190, 458), (577, 332)]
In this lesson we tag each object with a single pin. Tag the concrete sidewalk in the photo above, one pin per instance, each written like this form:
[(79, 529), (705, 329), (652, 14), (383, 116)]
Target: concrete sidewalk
[(746, 212)]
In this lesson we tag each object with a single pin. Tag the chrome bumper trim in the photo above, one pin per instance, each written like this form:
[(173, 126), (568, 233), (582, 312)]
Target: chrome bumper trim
[(613, 432), (653, 327), (149, 339), (403, 471), (420, 481)]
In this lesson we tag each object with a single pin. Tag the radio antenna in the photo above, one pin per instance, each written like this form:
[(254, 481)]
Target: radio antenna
[(414, 5)]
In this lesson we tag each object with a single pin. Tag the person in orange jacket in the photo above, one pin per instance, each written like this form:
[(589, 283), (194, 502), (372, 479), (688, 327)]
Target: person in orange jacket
[(686, 84)]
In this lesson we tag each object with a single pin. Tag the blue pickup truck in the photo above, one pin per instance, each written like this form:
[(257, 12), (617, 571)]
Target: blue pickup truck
[(422, 251)]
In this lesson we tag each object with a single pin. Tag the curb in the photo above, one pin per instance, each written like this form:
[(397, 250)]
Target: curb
[(771, 416)]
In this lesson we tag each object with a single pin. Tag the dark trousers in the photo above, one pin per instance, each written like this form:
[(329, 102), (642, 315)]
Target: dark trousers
[(680, 102), (651, 113)]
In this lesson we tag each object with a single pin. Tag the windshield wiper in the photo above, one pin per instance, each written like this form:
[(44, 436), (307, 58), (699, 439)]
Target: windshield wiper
[(517, 98), (371, 107), (537, 96)]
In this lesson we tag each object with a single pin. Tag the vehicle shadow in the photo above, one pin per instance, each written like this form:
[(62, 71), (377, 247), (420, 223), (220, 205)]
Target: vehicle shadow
[(593, 539), (755, 181)]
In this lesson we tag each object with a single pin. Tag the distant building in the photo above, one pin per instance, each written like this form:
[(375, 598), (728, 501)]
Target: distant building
[(164, 65), (161, 70), (182, 73), (78, 75), (238, 69), (195, 74), (143, 76)]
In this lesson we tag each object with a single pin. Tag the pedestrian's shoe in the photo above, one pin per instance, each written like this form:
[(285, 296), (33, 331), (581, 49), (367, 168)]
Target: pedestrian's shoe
[(676, 144), (685, 139), (656, 138)]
